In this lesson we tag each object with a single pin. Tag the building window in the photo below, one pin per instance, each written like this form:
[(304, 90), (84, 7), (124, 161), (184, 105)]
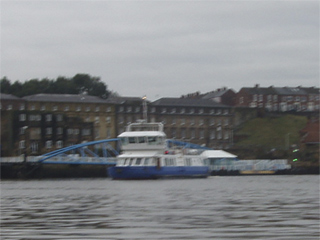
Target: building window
[(241, 100), (108, 109), (192, 121), (173, 121), (129, 119), (183, 133), (97, 109), (275, 98), (255, 97), (211, 121), (59, 144), (201, 134), (22, 107), (183, 110), (226, 112), (60, 131), (129, 109), (96, 133), (153, 110), (86, 132), (193, 133), (9, 107), (78, 109), (48, 117), (192, 111), (201, 122), (226, 135), (212, 134), (55, 108), (163, 110), (48, 144), (22, 117), (43, 108), (97, 120), (70, 131), (34, 147), (22, 144), (23, 130), (59, 118), (226, 122), (49, 131), (33, 107), (108, 133), (173, 110), (183, 121), (201, 111), (121, 119), (121, 109), (108, 119), (212, 111), (87, 109), (66, 108)]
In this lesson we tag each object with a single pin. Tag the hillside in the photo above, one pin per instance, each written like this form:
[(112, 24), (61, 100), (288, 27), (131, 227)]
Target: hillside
[(270, 133)]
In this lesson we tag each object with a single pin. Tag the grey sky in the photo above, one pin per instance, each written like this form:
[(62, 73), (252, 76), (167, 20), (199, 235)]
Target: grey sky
[(163, 48)]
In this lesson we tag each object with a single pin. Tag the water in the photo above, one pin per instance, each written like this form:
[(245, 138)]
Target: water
[(245, 207)]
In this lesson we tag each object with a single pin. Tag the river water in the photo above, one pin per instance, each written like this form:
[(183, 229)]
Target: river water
[(242, 207)]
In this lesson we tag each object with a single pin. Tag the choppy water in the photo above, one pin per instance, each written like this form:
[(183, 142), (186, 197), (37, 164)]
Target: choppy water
[(246, 207)]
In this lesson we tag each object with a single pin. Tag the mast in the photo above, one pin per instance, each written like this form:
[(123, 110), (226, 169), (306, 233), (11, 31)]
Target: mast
[(145, 112)]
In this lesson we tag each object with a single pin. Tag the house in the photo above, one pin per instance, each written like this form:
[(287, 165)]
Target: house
[(279, 99)]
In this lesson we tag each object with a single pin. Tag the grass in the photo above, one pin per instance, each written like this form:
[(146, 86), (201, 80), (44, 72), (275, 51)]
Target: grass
[(269, 133)]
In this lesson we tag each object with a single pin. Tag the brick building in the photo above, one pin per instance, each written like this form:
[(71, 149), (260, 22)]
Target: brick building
[(285, 99)]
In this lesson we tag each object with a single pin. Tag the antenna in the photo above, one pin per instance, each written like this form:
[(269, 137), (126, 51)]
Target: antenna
[(144, 105)]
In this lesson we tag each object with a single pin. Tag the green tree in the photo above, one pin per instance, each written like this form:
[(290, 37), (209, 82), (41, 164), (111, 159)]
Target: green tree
[(5, 85), (78, 84)]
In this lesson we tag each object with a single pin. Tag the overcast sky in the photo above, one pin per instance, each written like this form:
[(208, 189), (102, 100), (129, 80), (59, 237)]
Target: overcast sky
[(163, 48)]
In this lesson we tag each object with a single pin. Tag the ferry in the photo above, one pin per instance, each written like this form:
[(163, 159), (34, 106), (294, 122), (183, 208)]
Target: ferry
[(147, 154)]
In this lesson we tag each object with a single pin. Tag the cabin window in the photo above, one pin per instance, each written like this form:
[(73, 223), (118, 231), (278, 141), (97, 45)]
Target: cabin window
[(169, 162), (126, 162), (146, 161), (188, 162), (138, 161), (121, 162), (141, 140), (152, 140), (124, 141), (131, 161), (132, 140)]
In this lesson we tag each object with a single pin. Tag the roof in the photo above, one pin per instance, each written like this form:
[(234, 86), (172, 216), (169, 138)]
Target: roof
[(5, 96), (281, 90), (290, 91), (132, 154), (217, 154), (142, 134), (187, 102), (218, 93), (123, 100), (43, 97)]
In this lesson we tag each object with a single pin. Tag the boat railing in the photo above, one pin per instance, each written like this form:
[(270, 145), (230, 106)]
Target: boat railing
[(144, 126)]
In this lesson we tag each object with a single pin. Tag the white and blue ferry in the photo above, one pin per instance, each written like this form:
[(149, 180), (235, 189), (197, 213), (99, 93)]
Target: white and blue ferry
[(147, 154)]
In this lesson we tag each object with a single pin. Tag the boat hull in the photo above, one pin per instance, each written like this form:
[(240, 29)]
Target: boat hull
[(153, 172)]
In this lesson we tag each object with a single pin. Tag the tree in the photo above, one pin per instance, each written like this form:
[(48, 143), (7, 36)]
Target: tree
[(78, 84), (5, 85)]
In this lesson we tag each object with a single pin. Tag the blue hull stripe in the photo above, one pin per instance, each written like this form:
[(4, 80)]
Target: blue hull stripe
[(152, 172)]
